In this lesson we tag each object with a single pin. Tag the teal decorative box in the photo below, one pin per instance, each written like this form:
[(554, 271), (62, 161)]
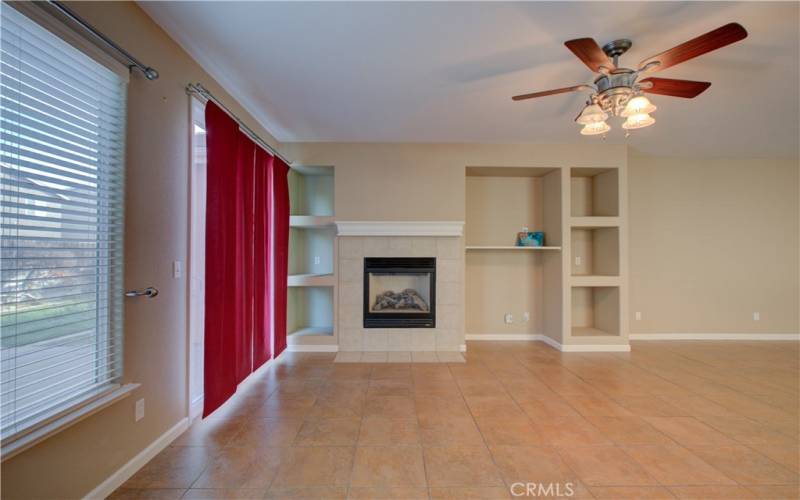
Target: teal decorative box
[(530, 239)]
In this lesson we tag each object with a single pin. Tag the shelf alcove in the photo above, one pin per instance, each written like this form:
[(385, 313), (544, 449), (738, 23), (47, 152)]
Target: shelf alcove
[(595, 311), (595, 251), (594, 192), (312, 238), (500, 276)]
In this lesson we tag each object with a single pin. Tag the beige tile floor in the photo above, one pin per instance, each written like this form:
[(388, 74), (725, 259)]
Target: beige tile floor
[(698, 420)]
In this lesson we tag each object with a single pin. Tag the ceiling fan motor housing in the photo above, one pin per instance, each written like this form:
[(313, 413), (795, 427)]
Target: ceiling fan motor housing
[(617, 47), (615, 89)]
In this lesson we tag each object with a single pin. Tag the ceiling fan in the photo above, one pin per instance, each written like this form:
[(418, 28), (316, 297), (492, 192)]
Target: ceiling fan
[(618, 90)]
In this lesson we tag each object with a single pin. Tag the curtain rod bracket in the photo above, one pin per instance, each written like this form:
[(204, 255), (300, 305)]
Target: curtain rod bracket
[(197, 89), (149, 73)]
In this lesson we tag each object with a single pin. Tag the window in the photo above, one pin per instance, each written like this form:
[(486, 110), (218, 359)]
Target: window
[(62, 123), (197, 260)]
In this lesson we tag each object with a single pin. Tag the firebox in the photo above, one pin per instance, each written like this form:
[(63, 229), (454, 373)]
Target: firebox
[(399, 292)]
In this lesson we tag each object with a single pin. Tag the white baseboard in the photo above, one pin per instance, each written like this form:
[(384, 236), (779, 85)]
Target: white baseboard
[(715, 336), (196, 408), (596, 348), (504, 336), (125, 472), (551, 342), (312, 348), (518, 337)]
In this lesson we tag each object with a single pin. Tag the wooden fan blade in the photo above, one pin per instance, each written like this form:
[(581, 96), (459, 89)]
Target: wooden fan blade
[(548, 92), (590, 53), (677, 88), (713, 40)]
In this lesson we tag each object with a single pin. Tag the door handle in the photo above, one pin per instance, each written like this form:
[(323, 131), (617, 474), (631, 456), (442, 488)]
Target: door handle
[(148, 292)]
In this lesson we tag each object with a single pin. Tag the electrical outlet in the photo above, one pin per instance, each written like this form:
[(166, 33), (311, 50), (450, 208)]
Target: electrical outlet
[(756, 316), (577, 261), (526, 316), (177, 269), (139, 412), (638, 316), (508, 318)]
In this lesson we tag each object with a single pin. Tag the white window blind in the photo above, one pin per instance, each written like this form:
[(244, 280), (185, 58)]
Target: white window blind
[(62, 123)]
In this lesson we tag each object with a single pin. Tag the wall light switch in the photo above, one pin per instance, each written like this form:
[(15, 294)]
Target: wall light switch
[(139, 412), (638, 316), (508, 318), (756, 316), (177, 269)]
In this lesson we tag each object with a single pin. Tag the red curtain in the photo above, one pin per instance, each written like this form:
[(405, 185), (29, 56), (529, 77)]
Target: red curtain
[(262, 343), (247, 229), (279, 190), (222, 141), (243, 265)]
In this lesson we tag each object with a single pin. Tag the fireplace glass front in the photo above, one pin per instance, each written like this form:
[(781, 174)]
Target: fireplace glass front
[(399, 292)]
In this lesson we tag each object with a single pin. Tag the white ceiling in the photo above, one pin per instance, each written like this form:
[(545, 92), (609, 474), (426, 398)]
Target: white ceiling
[(445, 72)]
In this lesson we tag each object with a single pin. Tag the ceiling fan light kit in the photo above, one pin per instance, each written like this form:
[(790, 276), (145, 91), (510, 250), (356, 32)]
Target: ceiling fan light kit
[(618, 91), (592, 113), (595, 128), (638, 121), (637, 106)]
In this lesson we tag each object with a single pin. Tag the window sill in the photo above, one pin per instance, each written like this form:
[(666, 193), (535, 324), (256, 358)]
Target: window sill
[(80, 412)]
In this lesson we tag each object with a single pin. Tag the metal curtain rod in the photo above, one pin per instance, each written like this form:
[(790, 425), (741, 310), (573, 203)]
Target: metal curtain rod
[(149, 73), (198, 90)]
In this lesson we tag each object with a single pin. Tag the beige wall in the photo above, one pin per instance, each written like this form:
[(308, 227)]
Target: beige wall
[(428, 182), (712, 241), (419, 182), (75, 461), (498, 208)]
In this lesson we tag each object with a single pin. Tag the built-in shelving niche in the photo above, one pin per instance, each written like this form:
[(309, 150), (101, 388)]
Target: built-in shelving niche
[(311, 312), (595, 311), (312, 238), (594, 192), (595, 251), (499, 277)]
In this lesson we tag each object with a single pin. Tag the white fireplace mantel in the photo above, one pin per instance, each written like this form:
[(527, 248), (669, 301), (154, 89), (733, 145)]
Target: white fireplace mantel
[(400, 228)]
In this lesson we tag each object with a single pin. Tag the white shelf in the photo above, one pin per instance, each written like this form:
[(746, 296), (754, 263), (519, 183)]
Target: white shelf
[(311, 280), (313, 331), (594, 222), (473, 247), (595, 280), (313, 169), (587, 331), (310, 221)]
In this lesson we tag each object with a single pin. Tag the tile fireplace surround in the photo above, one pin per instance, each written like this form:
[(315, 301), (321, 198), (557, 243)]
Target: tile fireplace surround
[(356, 244)]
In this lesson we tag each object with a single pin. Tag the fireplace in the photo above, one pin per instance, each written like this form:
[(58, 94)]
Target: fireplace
[(399, 292)]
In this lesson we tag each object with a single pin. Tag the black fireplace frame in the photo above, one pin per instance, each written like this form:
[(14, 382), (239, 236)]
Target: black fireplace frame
[(400, 265)]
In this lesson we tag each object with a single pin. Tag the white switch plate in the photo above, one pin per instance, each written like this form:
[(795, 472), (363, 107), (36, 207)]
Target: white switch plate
[(177, 269), (756, 316), (638, 316), (508, 318), (139, 412)]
